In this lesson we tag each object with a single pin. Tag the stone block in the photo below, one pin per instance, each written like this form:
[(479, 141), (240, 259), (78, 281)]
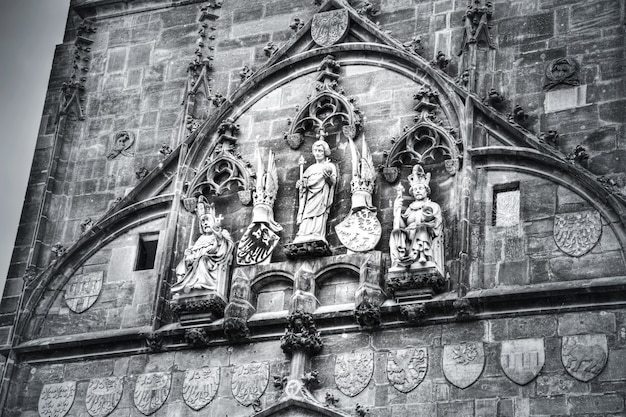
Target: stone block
[(565, 98), (532, 327), (513, 273), (139, 55), (591, 265), (594, 404), (455, 409), (524, 29), (549, 406), (586, 323), (558, 385), (594, 16)]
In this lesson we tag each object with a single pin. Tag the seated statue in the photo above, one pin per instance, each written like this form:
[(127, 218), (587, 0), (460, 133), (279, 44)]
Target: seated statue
[(416, 238), (205, 264)]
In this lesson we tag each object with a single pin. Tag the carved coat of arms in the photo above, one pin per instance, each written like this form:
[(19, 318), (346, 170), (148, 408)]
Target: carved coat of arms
[(463, 363), (577, 233), (406, 368), (250, 381), (200, 386), (327, 28), (103, 395), (353, 371), (151, 391), (584, 356), (256, 244), (82, 291), (360, 231), (522, 359), (55, 400)]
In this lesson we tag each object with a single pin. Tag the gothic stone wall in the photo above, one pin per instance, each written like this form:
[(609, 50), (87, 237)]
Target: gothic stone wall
[(554, 392)]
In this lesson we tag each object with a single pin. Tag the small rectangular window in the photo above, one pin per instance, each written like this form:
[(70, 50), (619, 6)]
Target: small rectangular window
[(506, 204), (146, 252)]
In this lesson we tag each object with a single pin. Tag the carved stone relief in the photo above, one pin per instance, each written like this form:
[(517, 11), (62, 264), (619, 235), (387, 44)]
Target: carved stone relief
[(103, 395), (361, 230), (406, 368), (522, 359), (577, 233), (239, 309), (463, 363), (561, 71), (301, 335), (55, 400), (249, 382), (353, 371), (328, 28), (82, 291), (584, 356), (261, 238), (151, 391), (477, 18), (200, 386), (123, 141)]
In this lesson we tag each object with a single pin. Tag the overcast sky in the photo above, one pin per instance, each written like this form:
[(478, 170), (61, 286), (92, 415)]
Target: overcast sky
[(29, 31)]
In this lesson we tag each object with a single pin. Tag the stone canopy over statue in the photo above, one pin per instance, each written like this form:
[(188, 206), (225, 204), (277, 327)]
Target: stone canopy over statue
[(316, 188), (416, 241)]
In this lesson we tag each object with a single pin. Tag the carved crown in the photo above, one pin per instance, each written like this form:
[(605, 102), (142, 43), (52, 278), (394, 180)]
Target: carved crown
[(362, 184), (419, 177), (206, 209)]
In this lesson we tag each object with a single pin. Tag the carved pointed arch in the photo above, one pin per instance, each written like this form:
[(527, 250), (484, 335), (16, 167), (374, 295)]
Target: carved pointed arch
[(41, 292), (300, 407)]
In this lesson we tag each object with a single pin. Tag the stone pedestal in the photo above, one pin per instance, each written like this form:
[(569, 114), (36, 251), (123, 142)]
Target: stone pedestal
[(312, 248), (415, 284), (198, 307)]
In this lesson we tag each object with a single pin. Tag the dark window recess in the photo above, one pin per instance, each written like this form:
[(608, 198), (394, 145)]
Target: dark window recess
[(146, 253)]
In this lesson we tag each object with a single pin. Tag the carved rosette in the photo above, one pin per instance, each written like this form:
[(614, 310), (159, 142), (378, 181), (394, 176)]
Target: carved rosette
[(328, 28), (82, 291), (577, 233), (406, 368), (353, 371), (103, 395), (584, 356), (463, 363), (200, 386), (55, 400), (151, 391), (522, 359), (249, 382)]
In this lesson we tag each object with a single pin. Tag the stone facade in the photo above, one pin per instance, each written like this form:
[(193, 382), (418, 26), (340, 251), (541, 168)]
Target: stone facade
[(157, 110)]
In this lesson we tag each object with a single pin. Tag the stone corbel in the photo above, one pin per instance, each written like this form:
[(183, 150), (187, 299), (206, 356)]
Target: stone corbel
[(369, 295)]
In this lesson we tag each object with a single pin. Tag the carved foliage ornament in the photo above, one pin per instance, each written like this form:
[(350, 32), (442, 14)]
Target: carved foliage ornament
[(406, 368), (200, 386), (103, 395), (353, 371), (151, 391), (584, 356), (55, 400), (577, 233), (522, 359), (82, 291), (463, 363), (249, 382), (328, 28)]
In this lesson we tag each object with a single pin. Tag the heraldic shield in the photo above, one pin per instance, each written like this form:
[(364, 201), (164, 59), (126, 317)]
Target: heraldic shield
[(82, 291), (200, 386), (577, 233), (151, 391), (522, 359), (250, 381), (353, 371), (406, 368), (463, 363), (103, 395), (584, 356), (55, 400), (327, 28)]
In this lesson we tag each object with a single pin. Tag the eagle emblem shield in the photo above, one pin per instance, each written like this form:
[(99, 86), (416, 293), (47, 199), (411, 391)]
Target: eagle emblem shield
[(406, 368), (200, 386), (463, 363), (584, 356), (328, 28), (353, 371), (55, 400), (250, 381), (151, 391), (82, 291), (103, 395), (522, 359), (577, 233), (256, 244)]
